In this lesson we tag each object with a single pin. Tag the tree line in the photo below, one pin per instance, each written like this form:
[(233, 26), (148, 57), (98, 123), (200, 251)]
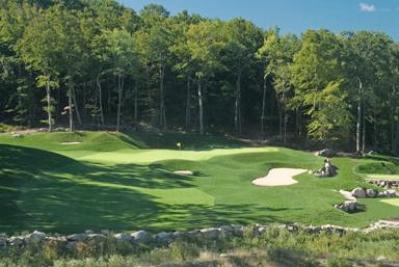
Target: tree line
[(97, 63)]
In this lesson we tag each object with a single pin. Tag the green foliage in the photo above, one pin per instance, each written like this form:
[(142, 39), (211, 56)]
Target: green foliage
[(330, 119), (205, 41), (86, 49)]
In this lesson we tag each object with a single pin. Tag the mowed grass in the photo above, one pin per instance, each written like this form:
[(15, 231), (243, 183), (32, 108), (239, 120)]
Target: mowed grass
[(119, 182)]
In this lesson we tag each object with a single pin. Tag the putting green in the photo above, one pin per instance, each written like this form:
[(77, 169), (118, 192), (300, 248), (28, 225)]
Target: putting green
[(146, 156), (392, 201), (387, 177), (115, 181)]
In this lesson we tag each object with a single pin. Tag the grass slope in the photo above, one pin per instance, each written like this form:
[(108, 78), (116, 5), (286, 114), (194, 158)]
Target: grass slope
[(114, 181)]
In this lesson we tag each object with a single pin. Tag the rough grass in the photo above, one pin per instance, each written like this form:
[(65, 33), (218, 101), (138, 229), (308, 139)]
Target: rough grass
[(275, 247), (115, 181)]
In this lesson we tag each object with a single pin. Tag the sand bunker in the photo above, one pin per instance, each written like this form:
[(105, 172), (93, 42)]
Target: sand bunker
[(278, 177), (70, 143), (184, 172)]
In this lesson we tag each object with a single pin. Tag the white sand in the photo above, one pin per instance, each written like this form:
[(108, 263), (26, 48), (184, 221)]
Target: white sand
[(184, 173), (278, 177), (70, 143)]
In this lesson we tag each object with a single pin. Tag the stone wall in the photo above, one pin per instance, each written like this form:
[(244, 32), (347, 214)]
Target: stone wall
[(89, 238)]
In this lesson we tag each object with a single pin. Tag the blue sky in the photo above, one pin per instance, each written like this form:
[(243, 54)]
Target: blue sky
[(294, 15)]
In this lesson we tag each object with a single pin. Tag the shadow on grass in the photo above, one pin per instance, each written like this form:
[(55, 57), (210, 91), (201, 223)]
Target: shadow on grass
[(47, 191), (189, 141)]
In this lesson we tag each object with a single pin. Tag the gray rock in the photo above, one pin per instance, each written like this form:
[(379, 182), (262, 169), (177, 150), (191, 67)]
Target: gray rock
[(163, 237), (259, 229), (123, 237), (36, 237), (193, 234), (141, 236), (292, 227), (15, 241), (210, 233), (177, 235), (391, 193), (371, 193), (3, 240), (358, 192), (226, 230), (96, 237), (238, 230), (350, 205), (312, 229), (77, 237), (347, 206), (327, 152)]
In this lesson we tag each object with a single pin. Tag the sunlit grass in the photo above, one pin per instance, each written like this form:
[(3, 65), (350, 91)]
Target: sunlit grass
[(116, 181)]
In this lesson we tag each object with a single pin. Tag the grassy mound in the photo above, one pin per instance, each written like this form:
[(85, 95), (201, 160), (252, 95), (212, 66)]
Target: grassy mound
[(115, 181), (382, 167)]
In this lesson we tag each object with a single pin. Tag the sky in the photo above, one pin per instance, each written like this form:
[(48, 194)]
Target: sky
[(294, 16)]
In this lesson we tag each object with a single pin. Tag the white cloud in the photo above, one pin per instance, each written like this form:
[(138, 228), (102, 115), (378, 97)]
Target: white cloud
[(364, 7)]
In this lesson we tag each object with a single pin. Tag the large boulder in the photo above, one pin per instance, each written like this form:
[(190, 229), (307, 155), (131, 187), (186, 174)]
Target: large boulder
[(348, 206), (371, 193), (327, 152), (226, 231), (123, 237), (96, 237), (164, 237), (141, 236), (36, 237), (358, 192), (76, 237), (15, 241), (210, 233)]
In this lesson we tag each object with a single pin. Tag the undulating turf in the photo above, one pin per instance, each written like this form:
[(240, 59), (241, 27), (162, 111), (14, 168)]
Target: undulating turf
[(119, 182)]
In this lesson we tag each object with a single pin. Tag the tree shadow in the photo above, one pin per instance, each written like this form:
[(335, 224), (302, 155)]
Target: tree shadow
[(189, 141), (50, 192)]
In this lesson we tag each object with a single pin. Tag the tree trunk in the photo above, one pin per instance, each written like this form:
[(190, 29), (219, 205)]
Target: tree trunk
[(70, 111), (201, 108), (392, 118), (49, 116), (100, 99), (280, 120), (162, 113), (359, 118), (118, 116), (285, 127), (136, 109), (188, 104), (364, 129), (396, 139), (375, 132), (237, 111), (75, 105), (262, 117), (298, 122)]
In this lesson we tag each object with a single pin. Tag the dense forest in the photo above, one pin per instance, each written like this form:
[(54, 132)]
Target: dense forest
[(95, 64)]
